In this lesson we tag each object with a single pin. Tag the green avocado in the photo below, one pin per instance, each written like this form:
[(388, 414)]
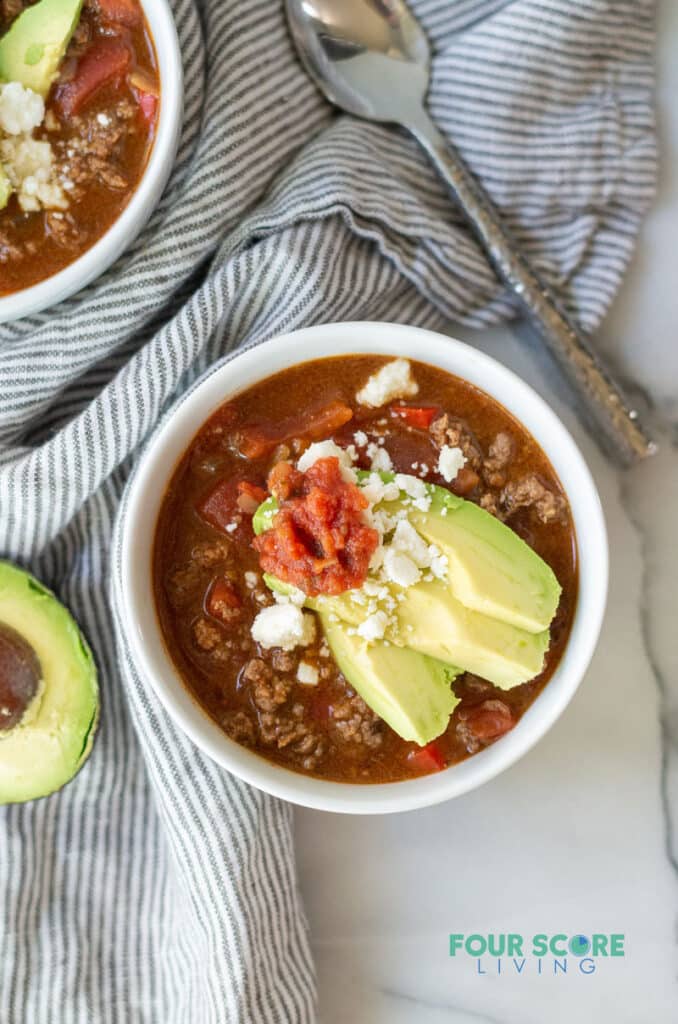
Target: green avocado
[(49, 698), (409, 691), (33, 47), (5, 188), (432, 622), (490, 616), (490, 568)]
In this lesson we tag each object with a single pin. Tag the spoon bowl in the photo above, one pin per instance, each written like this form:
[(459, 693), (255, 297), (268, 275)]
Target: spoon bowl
[(370, 57)]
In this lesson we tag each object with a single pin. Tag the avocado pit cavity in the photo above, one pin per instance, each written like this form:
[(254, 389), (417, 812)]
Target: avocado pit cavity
[(20, 678)]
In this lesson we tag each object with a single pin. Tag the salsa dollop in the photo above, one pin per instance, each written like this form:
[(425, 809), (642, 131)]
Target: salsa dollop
[(319, 540)]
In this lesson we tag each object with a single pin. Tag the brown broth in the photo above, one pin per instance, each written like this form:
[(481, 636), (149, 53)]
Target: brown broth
[(219, 687)]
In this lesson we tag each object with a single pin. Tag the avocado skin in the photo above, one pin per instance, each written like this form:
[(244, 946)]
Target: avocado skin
[(33, 47), (42, 754)]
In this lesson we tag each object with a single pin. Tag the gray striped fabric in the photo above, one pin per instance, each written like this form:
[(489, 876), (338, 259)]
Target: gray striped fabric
[(156, 888)]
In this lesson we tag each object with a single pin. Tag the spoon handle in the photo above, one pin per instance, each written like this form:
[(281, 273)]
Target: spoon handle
[(614, 421)]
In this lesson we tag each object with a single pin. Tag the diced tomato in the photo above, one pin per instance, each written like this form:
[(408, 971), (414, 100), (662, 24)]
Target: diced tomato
[(250, 496), (419, 416), (323, 422), (465, 481), (220, 505), (254, 442), (148, 104), (121, 12), (105, 61), (427, 759), (222, 600)]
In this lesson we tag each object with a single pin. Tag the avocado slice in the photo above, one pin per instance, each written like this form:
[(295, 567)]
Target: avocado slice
[(5, 188), (411, 692), (33, 47), (476, 623), (49, 699), (430, 621), (490, 568)]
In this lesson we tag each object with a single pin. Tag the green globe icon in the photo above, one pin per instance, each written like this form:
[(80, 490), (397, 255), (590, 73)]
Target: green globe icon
[(579, 945)]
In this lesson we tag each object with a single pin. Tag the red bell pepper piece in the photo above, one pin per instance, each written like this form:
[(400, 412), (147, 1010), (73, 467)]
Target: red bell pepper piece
[(419, 416), (107, 60), (148, 104), (427, 759)]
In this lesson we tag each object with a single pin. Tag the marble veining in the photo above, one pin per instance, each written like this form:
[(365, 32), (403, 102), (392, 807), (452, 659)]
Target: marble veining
[(582, 834)]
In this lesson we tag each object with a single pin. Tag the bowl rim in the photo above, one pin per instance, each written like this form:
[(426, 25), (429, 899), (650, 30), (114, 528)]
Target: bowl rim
[(92, 263), (171, 437)]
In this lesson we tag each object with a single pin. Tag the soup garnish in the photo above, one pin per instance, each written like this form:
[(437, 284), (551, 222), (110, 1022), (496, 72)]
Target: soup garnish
[(79, 100), (376, 600)]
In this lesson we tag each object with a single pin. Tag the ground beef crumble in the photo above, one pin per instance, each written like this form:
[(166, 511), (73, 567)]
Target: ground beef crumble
[(530, 492), (355, 721), (269, 690), (446, 430), (239, 726), (9, 9), (207, 635), (290, 729), (89, 152)]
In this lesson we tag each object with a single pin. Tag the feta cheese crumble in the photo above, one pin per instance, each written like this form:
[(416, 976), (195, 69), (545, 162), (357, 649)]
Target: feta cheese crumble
[(28, 163), (415, 489), (328, 450), (307, 674), (450, 461), (399, 568), (394, 380), (374, 626), (283, 625), (21, 110), (379, 458)]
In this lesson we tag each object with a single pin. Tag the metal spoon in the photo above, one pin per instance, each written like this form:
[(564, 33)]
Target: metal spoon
[(371, 57)]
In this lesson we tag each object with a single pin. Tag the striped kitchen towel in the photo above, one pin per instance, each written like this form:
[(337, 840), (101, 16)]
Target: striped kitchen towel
[(156, 888)]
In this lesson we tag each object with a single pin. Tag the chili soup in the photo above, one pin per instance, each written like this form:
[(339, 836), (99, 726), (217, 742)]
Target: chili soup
[(77, 127), (371, 585)]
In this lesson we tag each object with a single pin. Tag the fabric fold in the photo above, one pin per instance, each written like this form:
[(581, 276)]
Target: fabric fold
[(156, 888)]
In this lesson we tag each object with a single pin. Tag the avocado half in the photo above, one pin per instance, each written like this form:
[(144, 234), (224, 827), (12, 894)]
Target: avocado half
[(49, 696)]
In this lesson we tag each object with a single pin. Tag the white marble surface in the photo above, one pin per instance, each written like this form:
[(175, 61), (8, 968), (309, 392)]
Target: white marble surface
[(581, 835)]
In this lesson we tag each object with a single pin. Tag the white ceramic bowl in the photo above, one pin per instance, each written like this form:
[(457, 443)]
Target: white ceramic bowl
[(171, 439), (122, 233)]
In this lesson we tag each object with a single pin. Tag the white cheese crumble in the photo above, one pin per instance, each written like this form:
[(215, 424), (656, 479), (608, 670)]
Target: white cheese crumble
[(399, 568), (374, 626), (307, 674), (450, 461), (375, 490), (415, 489), (360, 438), (21, 110), (394, 380), (28, 163), (251, 580), (328, 450), (379, 458), (283, 625)]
